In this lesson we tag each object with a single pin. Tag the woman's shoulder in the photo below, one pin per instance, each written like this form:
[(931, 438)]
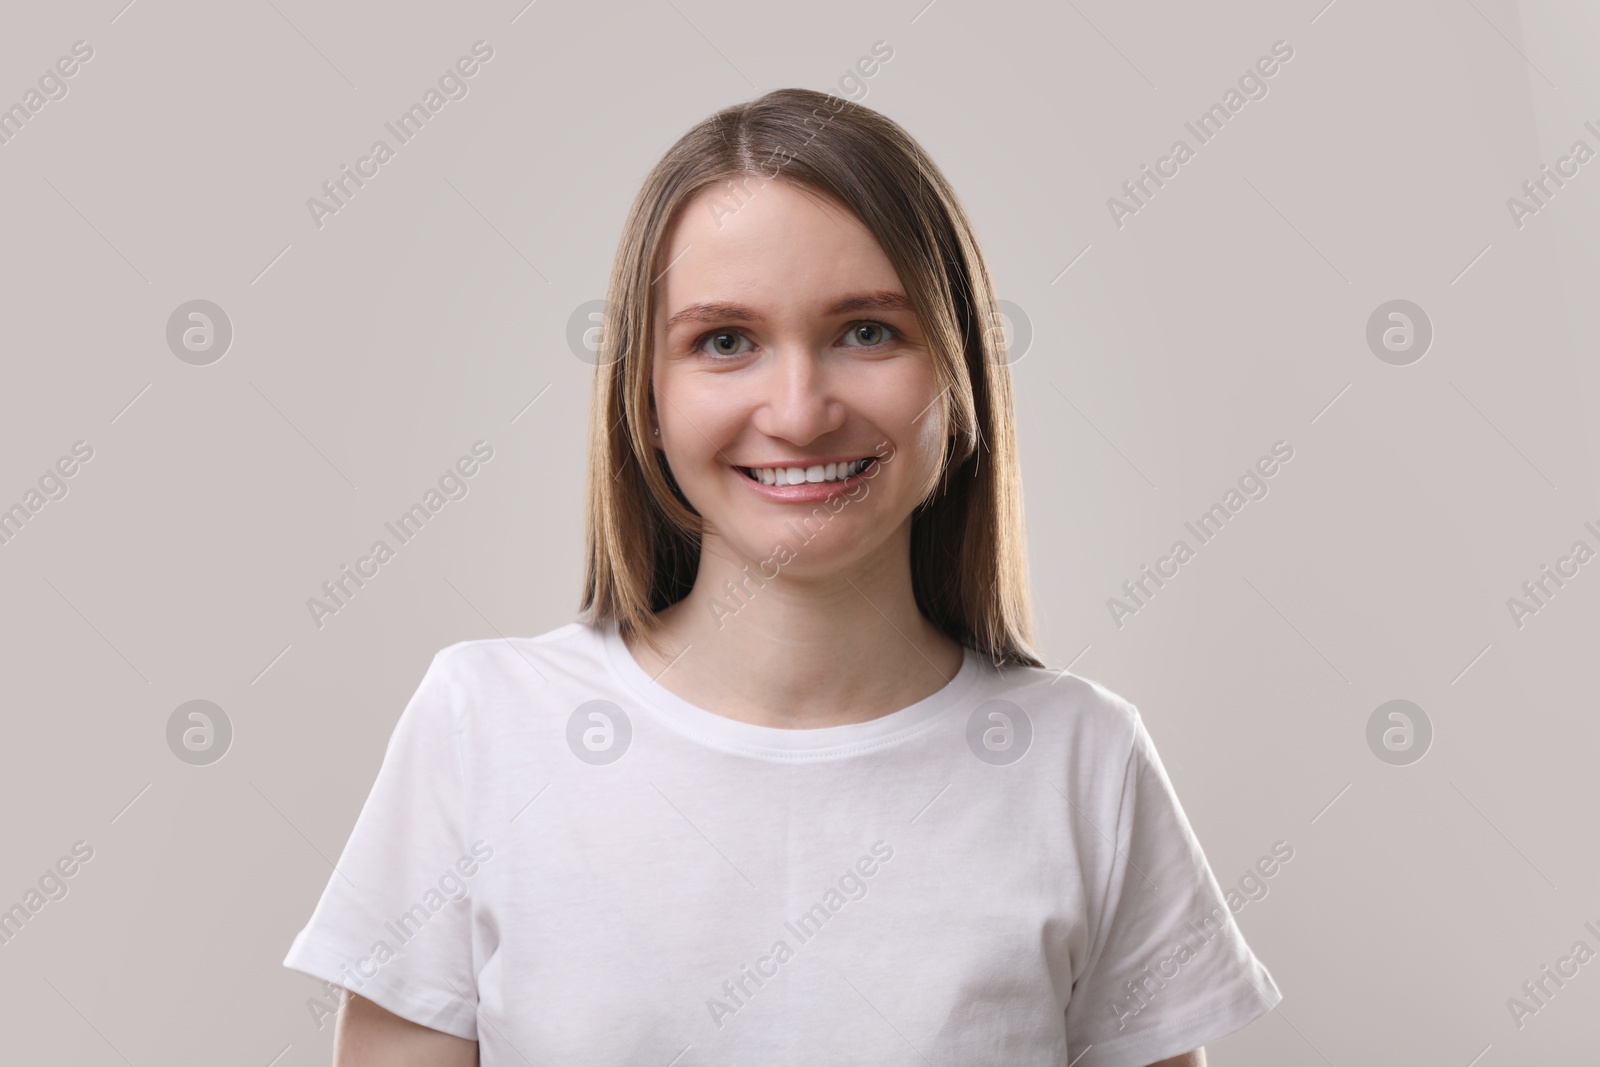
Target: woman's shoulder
[(1081, 705), (1060, 687), (488, 663)]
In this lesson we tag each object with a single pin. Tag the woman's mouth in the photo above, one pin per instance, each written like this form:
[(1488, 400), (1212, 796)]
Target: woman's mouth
[(818, 474)]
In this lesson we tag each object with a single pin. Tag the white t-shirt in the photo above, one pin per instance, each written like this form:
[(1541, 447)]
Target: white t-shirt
[(566, 862)]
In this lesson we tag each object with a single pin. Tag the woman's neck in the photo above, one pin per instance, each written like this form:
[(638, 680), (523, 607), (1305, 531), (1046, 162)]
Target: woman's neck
[(800, 651)]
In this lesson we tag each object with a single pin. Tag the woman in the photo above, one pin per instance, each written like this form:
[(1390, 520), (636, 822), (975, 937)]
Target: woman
[(795, 788)]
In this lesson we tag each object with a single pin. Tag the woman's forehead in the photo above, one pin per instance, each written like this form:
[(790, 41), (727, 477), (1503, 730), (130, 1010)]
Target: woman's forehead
[(784, 250), (770, 218)]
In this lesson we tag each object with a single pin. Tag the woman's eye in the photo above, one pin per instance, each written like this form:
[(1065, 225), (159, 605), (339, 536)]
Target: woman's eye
[(723, 343), (869, 334)]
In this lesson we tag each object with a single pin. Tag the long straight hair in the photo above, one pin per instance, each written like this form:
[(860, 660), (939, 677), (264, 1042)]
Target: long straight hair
[(968, 554)]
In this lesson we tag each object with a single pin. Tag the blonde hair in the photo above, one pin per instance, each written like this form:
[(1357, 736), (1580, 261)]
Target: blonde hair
[(968, 554)]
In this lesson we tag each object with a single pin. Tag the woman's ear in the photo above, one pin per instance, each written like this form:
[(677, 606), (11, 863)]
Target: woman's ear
[(655, 422)]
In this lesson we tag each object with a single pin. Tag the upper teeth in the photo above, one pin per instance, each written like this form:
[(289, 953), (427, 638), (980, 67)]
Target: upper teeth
[(830, 472)]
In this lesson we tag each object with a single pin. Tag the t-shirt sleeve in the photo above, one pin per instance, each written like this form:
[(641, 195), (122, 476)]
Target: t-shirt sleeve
[(394, 923), (1168, 969)]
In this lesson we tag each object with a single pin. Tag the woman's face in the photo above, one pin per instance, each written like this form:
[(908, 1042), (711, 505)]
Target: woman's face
[(784, 339)]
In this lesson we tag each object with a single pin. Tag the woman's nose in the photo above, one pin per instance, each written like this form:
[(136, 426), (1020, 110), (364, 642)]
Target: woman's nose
[(799, 402)]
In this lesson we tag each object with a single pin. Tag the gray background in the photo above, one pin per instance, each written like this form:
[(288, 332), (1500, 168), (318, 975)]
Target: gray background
[(1228, 314)]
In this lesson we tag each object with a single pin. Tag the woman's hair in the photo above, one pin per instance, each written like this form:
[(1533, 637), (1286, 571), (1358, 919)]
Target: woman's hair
[(968, 556)]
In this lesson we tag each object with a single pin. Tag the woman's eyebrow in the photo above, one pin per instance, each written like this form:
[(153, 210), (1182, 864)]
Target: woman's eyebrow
[(714, 313), (878, 300)]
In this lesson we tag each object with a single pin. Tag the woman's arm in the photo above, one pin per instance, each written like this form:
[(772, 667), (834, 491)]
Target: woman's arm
[(369, 1036)]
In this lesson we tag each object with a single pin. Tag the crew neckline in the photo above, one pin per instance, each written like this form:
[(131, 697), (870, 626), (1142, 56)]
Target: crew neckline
[(719, 731)]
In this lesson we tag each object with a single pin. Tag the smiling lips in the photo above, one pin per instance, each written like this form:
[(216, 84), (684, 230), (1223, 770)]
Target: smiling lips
[(815, 473)]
